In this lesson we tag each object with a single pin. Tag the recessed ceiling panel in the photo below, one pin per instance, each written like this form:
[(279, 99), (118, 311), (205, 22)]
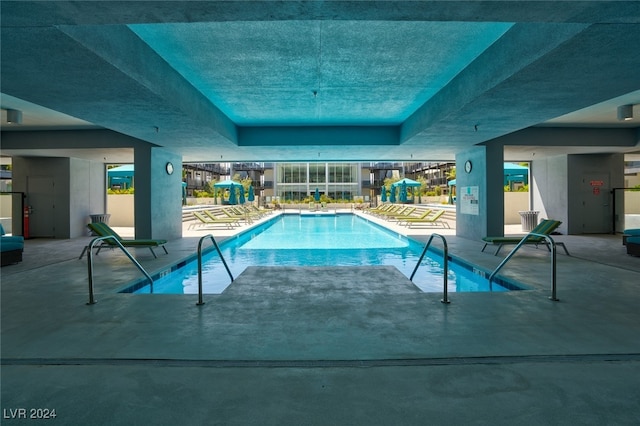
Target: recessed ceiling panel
[(319, 72)]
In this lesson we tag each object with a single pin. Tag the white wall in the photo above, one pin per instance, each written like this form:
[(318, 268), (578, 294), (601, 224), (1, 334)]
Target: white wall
[(632, 202), (121, 209), (515, 202), (548, 186)]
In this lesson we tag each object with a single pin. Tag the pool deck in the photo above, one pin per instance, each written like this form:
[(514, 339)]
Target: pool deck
[(324, 346)]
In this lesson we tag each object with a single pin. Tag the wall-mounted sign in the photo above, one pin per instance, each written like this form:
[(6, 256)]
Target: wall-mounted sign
[(596, 183), (468, 200)]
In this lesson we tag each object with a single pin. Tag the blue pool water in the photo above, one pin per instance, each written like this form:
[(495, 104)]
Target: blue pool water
[(322, 240)]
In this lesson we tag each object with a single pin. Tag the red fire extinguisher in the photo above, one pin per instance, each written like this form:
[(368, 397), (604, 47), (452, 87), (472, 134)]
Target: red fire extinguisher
[(25, 222)]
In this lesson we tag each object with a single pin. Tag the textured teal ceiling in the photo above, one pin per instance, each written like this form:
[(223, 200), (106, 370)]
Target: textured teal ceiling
[(362, 72)]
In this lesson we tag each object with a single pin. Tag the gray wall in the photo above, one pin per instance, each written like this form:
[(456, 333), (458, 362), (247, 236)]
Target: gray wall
[(77, 191), (590, 204), (567, 188)]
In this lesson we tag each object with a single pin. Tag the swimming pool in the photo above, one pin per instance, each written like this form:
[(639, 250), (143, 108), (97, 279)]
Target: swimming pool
[(317, 240)]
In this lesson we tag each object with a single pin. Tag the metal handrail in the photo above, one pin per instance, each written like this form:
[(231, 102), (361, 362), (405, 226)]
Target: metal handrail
[(215, 244), (552, 245), (92, 300), (445, 290)]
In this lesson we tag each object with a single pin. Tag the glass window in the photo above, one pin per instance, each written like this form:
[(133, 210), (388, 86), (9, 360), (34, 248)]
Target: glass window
[(317, 172)]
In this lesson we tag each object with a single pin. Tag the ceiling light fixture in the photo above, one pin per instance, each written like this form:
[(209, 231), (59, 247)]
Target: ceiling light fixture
[(14, 116), (625, 112)]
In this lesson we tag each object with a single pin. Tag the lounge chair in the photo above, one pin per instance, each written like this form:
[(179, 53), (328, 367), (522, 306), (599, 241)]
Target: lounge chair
[(242, 210), (545, 227), (232, 213), (262, 210), (422, 215), (209, 220), (11, 248), (405, 211), (426, 221), (633, 245), (394, 209), (103, 230), (380, 208)]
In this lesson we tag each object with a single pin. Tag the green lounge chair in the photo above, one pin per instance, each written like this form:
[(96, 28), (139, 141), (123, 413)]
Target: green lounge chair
[(380, 208), (394, 209), (426, 221), (235, 214), (242, 210), (103, 230), (400, 218), (406, 211), (545, 227), (210, 220)]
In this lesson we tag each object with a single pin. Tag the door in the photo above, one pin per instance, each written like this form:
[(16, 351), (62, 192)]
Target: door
[(596, 203), (40, 198)]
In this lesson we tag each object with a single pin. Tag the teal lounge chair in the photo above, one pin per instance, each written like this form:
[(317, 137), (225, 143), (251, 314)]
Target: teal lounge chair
[(103, 230), (11, 248), (545, 227)]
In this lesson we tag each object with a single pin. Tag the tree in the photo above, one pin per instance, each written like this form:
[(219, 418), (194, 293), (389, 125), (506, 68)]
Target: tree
[(451, 174)]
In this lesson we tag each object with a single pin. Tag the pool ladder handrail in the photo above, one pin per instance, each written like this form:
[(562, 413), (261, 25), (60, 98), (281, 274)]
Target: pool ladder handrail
[(552, 246), (91, 245), (224, 262), (445, 287)]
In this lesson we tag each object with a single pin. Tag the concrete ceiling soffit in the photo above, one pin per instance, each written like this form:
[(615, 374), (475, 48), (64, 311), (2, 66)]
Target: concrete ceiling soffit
[(522, 45), (61, 74), (588, 69), (318, 135), (39, 13), (567, 137), (123, 49)]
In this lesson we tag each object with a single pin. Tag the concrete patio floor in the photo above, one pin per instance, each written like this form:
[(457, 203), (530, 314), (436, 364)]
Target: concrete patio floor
[(324, 346)]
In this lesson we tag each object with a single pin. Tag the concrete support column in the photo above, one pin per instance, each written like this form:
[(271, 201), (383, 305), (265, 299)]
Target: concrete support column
[(480, 192), (158, 194)]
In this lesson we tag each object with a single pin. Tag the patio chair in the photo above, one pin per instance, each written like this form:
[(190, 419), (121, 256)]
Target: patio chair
[(412, 215), (404, 211), (209, 220), (243, 210), (232, 213), (11, 248), (426, 221), (380, 208), (545, 227), (393, 209), (103, 230), (633, 245), (262, 210)]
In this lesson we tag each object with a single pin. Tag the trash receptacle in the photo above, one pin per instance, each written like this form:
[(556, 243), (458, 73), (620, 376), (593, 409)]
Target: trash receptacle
[(104, 218), (95, 218), (528, 220)]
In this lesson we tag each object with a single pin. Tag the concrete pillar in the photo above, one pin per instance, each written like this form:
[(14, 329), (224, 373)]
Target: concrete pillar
[(480, 192), (158, 194)]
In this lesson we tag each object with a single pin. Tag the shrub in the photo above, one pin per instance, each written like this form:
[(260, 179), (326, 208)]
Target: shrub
[(120, 191)]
